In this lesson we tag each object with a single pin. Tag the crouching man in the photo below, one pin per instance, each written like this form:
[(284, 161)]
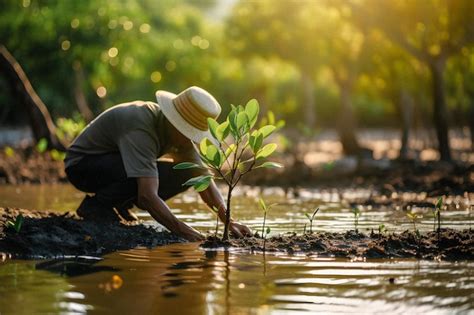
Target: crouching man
[(116, 159)]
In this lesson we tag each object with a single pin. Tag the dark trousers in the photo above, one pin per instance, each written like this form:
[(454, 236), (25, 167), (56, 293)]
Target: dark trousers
[(105, 176)]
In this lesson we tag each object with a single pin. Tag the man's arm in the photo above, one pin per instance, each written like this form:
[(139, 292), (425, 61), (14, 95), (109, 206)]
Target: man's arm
[(149, 200), (213, 198)]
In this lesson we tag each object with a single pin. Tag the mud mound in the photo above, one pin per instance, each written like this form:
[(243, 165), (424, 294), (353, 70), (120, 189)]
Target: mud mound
[(48, 234), (451, 244)]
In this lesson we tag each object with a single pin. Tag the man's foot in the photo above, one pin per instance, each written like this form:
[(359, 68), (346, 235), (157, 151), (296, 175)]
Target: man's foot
[(91, 209), (123, 210)]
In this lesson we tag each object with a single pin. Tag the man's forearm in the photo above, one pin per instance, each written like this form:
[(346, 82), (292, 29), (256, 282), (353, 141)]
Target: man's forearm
[(160, 211), (212, 197)]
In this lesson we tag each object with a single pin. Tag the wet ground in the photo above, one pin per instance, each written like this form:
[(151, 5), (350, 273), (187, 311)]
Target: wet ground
[(204, 281)]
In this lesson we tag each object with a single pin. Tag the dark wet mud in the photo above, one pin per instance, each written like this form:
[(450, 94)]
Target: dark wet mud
[(49, 234), (447, 245)]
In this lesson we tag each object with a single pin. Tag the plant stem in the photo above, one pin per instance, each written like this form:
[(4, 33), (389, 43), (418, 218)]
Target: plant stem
[(263, 226), (225, 237), (311, 226)]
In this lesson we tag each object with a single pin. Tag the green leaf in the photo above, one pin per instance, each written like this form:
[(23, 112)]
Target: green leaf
[(57, 155), (308, 216), (202, 185), (204, 145), (268, 230), (19, 222), (198, 179), (242, 122), (270, 165), (271, 118), (42, 145), (223, 130), (262, 204), (255, 141), (213, 124), (267, 130), (266, 150), (9, 151), (439, 203), (232, 118), (186, 165), (212, 154), (251, 109)]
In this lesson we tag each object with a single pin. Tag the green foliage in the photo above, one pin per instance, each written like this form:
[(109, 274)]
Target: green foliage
[(17, 224), (67, 129), (382, 228), (311, 218), (9, 152), (437, 214), (356, 211), (230, 159), (42, 145), (413, 217)]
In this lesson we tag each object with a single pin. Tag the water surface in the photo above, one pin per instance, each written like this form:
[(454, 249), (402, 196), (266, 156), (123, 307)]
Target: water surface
[(184, 279)]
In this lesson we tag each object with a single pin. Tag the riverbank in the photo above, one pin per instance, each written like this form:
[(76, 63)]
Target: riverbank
[(46, 234), (448, 245)]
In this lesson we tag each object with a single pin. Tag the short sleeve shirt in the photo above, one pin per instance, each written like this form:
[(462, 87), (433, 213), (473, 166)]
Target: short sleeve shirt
[(136, 130)]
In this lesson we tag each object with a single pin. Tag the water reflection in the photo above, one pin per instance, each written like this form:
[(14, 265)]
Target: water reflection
[(183, 278)]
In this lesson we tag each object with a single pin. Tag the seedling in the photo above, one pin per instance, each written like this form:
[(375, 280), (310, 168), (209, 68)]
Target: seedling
[(311, 218), (17, 224), (413, 217), (216, 212), (231, 161), (437, 214), (382, 228), (356, 213), (265, 209)]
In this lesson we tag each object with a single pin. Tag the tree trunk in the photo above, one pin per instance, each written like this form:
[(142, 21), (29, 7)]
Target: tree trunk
[(405, 107), (309, 100), (79, 96), (440, 114), (346, 125), (471, 124), (41, 123)]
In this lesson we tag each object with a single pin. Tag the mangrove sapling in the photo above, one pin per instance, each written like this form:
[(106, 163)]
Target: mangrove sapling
[(413, 217), (356, 213), (265, 209), (231, 161), (311, 218), (17, 224), (382, 229), (437, 214)]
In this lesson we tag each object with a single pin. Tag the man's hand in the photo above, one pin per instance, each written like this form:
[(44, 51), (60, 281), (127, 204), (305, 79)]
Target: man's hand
[(239, 230), (149, 200)]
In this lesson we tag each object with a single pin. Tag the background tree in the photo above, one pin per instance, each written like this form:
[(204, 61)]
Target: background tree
[(432, 31)]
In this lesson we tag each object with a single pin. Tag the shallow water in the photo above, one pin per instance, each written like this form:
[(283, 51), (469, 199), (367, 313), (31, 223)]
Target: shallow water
[(184, 279)]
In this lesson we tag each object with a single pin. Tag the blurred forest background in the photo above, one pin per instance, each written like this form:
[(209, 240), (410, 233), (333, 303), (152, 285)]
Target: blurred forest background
[(322, 64)]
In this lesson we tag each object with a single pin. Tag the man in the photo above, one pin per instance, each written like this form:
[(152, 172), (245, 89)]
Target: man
[(116, 155)]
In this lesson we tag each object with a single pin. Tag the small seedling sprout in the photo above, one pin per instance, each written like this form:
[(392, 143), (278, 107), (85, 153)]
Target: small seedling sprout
[(17, 224), (382, 228), (413, 217), (356, 213), (437, 213), (265, 210), (311, 218)]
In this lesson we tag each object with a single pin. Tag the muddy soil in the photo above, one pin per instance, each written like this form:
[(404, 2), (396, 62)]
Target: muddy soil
[(48, 234), (451, 244)]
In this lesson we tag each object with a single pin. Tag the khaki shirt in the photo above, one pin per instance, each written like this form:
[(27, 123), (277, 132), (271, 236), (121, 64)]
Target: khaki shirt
[(137, 131)]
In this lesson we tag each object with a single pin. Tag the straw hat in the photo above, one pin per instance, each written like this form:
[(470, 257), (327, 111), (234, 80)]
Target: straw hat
[(188, 111)]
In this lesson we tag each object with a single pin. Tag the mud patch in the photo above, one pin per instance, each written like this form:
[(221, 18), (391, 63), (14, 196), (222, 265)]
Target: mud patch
[(449, 245), (49, 234)]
